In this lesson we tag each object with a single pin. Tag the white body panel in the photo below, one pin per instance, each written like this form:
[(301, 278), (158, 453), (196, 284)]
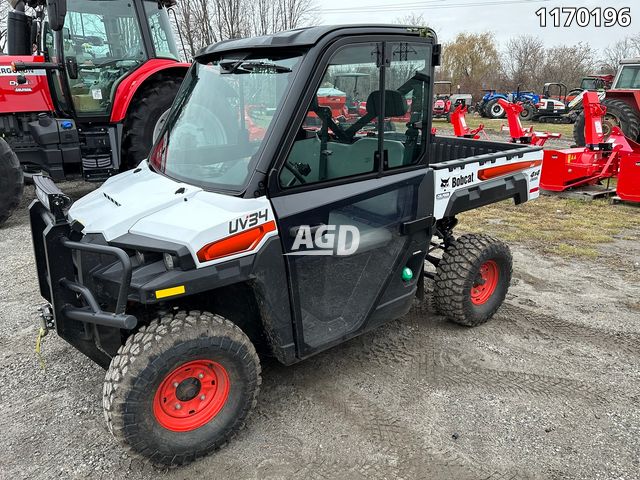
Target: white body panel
[(446, 179), (146, 203)]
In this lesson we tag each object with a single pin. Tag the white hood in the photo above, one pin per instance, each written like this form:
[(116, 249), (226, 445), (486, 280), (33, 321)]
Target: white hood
[(145, 203)]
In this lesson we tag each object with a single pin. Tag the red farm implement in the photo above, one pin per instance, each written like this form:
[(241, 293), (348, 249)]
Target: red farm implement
[(460, 128), (520, 134), (601, 159)]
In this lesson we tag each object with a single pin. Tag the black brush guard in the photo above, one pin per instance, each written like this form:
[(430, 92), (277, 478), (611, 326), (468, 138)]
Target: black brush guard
[(76, 312)]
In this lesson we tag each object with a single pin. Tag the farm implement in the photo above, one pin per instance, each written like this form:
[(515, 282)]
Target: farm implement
[(601, 158)]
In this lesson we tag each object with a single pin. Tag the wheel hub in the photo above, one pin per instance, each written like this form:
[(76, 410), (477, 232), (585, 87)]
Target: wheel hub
[(485, 285), (191, 395), (188, 389)]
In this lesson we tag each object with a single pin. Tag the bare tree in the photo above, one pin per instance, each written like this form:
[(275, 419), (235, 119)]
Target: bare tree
[(567, 64), (523, 59), (4, 11), (412, 19), (203, 22), (625, 48)]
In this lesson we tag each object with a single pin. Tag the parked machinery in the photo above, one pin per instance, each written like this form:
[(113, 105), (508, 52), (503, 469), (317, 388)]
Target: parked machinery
[(603, 157), (491, 108), (85, 88), (552, 107), (445, 101), (622, 104)]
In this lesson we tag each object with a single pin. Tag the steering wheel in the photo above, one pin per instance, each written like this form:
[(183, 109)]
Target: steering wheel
[(295, 173)]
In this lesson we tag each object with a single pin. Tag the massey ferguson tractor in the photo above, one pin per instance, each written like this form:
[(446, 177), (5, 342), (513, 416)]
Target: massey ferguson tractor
[(85, 87), (622, 104)]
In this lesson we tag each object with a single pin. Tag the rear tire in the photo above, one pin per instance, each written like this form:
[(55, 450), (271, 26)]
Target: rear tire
[(217, 373), (147, 108), (527, 112), (626, 118), (11, 181), (472, 279), (494, 110)]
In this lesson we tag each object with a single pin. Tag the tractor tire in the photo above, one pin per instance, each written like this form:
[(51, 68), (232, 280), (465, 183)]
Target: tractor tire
[(527, 112), (11, 181), (148, 109), (181, 387), (472, 279), (494, 110), (623, 115)]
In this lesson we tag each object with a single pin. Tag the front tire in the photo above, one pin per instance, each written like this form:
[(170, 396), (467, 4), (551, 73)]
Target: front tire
[(472, 279), (147, 110), (181, 387), (11, 181)]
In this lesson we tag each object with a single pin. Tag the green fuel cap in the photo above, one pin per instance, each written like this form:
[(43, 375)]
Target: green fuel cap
[(407, 274)]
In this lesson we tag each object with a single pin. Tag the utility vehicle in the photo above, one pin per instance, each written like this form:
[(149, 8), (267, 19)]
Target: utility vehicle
[(221, 246), (86, 85)]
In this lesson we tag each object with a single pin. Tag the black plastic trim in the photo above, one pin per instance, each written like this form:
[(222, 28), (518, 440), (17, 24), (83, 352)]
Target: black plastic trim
[(143, 243), (488, 192)]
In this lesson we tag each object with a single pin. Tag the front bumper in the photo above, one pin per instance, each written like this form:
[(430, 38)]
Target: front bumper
[(77, 315)]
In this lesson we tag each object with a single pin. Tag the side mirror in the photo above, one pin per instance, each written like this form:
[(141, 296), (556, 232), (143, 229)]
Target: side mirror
[(56, 11), (72, 67)]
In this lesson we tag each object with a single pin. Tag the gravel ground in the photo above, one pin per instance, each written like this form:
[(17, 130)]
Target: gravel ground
[(550, 388)]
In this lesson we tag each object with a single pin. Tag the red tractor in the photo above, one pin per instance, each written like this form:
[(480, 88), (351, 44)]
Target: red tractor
[(85, 88), (622, 103)]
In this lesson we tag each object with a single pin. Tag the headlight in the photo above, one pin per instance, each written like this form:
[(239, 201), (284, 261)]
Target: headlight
[(170, 261)]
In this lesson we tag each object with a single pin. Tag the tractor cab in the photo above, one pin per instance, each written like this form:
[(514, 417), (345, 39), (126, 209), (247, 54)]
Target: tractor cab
[(94, 81), (628, 77), (91, 45)]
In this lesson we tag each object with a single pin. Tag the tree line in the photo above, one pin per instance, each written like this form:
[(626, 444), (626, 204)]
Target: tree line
[(476, 62)]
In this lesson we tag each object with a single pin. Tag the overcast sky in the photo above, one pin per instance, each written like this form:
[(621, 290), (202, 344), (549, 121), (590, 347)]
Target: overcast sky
[(508, 18)]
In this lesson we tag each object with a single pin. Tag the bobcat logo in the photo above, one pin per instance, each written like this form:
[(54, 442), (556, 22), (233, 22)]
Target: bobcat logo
[(444, 182)]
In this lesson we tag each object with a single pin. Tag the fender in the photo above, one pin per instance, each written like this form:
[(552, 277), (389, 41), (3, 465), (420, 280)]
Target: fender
[(129, 85), (628, 96)]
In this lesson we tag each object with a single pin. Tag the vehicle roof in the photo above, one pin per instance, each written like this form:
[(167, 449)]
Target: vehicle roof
[(307, 36), (629, 61)]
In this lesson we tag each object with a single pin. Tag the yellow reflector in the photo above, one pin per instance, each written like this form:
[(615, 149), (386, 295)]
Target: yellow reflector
[(170, 292)]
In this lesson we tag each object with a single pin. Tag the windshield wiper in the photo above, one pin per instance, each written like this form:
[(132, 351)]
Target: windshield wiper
[(248, 66)]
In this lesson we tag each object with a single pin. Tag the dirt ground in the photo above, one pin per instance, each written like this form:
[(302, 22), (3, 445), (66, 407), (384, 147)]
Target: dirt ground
[(550, 388)]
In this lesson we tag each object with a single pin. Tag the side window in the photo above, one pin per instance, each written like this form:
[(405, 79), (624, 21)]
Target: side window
[(338, 137), (407, 75), (160, 27)]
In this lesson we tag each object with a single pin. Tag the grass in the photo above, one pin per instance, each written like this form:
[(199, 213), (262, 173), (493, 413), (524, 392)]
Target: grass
[(494, 125), (563, 227)]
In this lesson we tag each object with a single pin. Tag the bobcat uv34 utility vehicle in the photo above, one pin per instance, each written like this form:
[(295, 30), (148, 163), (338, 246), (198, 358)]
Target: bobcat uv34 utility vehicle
[(282, 242)]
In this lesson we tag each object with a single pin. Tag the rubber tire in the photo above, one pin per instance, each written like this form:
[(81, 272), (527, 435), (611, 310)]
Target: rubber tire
[(528, 110), (143, 114), (488, 108), (154, 351), (628, 117), (11, 181), (457, 271)]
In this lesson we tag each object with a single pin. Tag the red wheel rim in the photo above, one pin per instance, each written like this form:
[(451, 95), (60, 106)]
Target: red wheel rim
[(486, 283), (191, 395)]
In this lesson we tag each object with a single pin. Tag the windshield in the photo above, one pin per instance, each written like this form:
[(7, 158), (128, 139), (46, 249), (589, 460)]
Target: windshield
[(219, 120), (629, 77)]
